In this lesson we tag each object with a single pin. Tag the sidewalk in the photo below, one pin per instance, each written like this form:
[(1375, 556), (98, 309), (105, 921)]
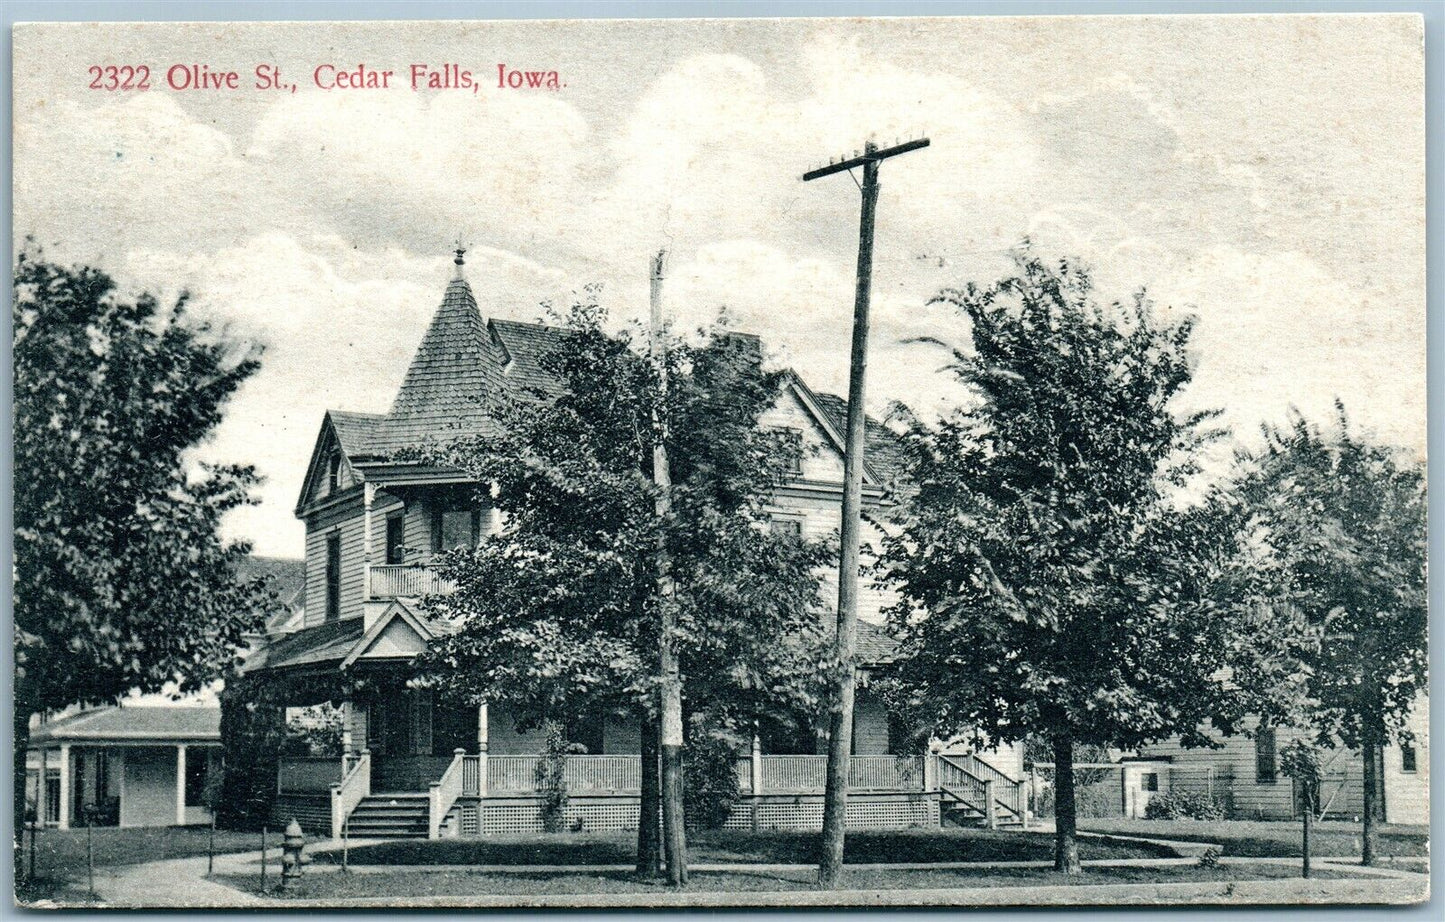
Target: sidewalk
[(182, 883)]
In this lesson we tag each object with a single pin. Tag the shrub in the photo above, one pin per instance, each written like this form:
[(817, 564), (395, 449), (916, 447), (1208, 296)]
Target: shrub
[(550, 777), (1183, 805), (710, 778)]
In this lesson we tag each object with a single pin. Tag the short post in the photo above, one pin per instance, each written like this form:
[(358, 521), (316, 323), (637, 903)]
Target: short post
[(990, 811), (263, 859), (34, 828), (1021, 797), (1124, 790), (90, 851), (211, 847), (1033, 785), (345, 845), (930, 769)]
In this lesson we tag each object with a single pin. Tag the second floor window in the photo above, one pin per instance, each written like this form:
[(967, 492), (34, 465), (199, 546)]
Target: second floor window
[(395, 539), (1407, 758), (454, 528), (333, 577), (1266, 761)]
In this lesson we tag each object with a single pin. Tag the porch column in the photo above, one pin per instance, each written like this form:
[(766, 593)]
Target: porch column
[(482, 745), (180, 784), (757, 764), (64, 819), (368, 493), (346, 748)]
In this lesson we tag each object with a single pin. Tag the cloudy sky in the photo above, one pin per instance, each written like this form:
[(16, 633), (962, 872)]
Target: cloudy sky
[(1265, 174)]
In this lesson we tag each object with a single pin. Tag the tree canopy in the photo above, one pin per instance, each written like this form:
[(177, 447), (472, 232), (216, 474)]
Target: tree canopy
[(1050, 583), (557, 613), (122, 580)]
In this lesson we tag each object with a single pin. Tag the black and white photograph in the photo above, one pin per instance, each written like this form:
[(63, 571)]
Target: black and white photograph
[(970, 461)]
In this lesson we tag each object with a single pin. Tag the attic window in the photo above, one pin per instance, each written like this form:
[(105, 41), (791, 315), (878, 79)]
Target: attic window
[(333, 471)]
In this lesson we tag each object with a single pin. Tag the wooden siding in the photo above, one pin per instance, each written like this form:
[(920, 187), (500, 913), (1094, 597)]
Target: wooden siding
[(1407, 794), (870, 726), (821, 459), (1234, 772), (344, 519), (822, 518)]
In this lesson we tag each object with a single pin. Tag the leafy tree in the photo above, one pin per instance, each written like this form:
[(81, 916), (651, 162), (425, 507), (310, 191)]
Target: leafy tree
[(121, 578), (1050, 583), (1342, 521), (558, 613)]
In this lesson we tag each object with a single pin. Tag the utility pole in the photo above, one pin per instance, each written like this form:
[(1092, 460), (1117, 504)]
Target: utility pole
[(840, 735), (674, 834)]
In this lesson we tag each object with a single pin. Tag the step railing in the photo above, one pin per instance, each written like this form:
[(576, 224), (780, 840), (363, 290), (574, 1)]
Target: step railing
[(1012, 793), (960, 780), (353, 787), (444, 792)]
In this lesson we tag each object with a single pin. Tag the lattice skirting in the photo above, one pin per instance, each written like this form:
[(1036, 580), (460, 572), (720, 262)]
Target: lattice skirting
[(313, 812), (805, 812), (601, 814)]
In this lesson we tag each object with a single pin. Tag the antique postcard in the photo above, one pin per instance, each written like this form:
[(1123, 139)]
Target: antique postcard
[(721, 463)]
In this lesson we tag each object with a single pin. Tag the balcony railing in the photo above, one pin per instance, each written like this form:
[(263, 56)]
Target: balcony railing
[(389, 581), (618, 774)]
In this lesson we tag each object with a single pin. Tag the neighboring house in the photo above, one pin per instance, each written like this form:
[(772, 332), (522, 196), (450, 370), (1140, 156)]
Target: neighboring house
[(124, 766), (1245, 773), (373, 523)]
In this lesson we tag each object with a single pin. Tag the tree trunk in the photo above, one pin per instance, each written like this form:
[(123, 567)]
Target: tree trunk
[(1308, 814), (1370, 803), (1066, 841), (649, 843)]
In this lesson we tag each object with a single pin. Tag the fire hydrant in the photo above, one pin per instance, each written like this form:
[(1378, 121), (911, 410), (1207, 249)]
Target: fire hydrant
[(292, 857)]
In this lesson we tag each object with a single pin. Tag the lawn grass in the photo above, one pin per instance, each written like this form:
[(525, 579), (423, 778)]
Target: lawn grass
[(1262, 839), (404, 884), (737, 847), (64, 851)]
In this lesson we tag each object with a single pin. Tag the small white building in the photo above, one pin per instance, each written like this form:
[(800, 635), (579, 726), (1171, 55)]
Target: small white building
[(129, 766)]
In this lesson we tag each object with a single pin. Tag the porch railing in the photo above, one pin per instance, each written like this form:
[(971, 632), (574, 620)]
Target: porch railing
[(302, 775), (619, 774), (444, 792), (349, 792), (471, 775), (599, 774), (407, 580)]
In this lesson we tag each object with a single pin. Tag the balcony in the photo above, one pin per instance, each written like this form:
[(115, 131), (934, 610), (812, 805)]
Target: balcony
[(390, 581)]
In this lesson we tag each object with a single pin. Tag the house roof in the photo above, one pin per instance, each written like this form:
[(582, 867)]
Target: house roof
[(880, 446), (342, 643), (875, 646), (322, 643), (182, 724)]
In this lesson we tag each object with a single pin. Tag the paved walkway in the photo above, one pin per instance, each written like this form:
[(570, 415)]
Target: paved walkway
[(182, 883)]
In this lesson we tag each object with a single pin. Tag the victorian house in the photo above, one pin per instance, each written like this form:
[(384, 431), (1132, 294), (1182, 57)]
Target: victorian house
[(413, 764)]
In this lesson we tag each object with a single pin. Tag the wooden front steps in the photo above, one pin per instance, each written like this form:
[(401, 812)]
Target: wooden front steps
[(390, 816)]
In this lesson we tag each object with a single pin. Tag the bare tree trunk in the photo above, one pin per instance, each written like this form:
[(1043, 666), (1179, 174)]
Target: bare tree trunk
[(649, 842), (1370, 803), (1066, 841), (1309, 818)]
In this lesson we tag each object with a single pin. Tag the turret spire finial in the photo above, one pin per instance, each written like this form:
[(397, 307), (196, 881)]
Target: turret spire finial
[(461, 251)]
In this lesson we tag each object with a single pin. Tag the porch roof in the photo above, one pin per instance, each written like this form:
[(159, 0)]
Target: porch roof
[(310, 646), (133, 724)]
